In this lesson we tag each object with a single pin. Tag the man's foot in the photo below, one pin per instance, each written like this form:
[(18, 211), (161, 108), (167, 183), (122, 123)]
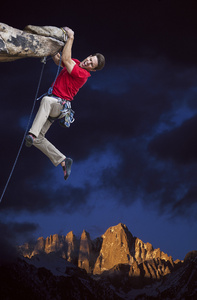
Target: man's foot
[(67, 167), (29, 139)]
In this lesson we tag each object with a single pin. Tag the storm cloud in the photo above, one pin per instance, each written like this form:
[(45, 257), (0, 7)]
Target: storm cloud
[(134, 134)]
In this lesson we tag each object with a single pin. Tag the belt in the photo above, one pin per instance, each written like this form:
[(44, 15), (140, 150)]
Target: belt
[(61, 101), (54, 96)]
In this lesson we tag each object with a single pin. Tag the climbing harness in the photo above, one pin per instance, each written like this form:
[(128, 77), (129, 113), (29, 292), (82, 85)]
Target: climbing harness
[(67, 114)]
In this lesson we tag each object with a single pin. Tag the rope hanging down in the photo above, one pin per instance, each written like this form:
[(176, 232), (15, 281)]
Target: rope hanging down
[(31, 113), (24, 133), (50, 90)]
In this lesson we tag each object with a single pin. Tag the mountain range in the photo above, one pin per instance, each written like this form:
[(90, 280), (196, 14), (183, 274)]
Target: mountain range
[(116, 265)]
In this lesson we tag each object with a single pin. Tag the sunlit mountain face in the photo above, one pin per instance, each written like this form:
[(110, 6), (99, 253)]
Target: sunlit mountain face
[(116, 265)]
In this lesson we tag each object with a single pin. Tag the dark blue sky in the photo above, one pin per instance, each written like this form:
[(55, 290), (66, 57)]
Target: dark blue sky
[(134, 139)]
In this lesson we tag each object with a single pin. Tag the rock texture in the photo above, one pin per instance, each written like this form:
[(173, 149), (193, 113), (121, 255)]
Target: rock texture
[(85, 250), (116, 265), (113, 253), (66, 247), (33, 41), (120, 247), (72, 247), (117, 248)]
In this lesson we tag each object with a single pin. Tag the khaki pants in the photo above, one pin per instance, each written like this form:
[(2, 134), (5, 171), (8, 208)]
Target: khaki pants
[(49, 106)]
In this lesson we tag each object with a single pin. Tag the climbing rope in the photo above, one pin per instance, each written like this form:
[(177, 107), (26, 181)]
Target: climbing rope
[(26, 130), (43, 60), (50, 90)]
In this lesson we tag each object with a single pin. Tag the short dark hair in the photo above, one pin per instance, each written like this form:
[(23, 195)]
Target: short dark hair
[(101, 61)]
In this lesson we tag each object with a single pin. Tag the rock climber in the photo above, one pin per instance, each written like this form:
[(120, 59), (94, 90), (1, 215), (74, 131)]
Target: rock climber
[(71, 78)]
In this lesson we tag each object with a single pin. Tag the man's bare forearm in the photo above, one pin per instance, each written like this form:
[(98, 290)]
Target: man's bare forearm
[(67, 50)]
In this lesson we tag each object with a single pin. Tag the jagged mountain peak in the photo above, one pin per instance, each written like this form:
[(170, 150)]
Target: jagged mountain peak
[(118, 258), (85, 235), (117, 246), (118, 235), (117, 228), (70, 234)]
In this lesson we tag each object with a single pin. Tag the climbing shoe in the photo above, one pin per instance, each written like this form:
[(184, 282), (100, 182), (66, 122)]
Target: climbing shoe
[(67, 167), (29, 139)]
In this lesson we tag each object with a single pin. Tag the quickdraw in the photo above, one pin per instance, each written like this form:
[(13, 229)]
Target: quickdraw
[(68, 116)]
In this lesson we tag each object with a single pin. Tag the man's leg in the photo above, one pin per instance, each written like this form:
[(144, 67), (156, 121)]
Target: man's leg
[(52, 152), (43, 113), (47, 148), (49, 106)]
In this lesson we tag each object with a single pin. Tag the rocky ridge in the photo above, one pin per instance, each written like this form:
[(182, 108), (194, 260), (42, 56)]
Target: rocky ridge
[(115, 266), (114, 250)]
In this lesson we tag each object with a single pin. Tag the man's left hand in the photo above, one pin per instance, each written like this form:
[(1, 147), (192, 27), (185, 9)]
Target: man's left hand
[(69, 32)]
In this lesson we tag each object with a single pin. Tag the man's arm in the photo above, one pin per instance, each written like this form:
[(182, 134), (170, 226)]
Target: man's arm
[(56, 59), (66, 53)]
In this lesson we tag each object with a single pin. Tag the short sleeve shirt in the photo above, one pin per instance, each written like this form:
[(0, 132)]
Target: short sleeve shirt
[(67, 85)]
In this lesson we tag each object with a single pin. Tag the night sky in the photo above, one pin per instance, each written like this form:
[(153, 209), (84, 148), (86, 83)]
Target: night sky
[(133, 142)]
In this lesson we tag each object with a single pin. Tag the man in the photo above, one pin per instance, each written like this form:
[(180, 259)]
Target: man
[(72, 77)]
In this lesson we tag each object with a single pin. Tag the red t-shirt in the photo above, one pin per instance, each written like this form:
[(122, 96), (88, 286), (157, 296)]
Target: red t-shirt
[(67, 85)]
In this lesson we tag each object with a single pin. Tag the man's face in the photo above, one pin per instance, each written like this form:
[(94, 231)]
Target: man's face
[(89, 63)]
